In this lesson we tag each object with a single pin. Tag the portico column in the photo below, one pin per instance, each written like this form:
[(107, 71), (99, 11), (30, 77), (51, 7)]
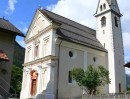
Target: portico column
[(50, 85), (40, 80)]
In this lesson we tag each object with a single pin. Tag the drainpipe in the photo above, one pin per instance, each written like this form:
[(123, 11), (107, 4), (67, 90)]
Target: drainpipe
[(58, 69)]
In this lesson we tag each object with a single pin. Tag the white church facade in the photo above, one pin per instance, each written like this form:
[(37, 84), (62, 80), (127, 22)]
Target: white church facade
[(55, 45)]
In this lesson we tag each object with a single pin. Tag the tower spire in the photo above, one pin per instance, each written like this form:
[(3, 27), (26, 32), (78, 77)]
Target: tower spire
[(108, 5)]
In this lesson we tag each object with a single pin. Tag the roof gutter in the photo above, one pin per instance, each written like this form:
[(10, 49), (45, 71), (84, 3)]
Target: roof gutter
[(58, 68), (16, 33)]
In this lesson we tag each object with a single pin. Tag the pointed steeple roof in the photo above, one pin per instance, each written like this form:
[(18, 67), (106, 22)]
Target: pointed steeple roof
[(109, 2), (112, 6)]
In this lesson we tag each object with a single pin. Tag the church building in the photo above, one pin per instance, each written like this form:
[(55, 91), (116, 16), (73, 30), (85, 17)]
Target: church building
[(55, 45)]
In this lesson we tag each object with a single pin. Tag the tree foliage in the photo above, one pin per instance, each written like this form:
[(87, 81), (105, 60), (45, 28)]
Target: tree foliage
[(91, 79), (16, 76), (16, 80)]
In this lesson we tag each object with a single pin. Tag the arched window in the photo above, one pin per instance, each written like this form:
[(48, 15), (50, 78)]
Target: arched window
[(34, 76), (104, 6), (103, 21), (116, 23), (101, 8)]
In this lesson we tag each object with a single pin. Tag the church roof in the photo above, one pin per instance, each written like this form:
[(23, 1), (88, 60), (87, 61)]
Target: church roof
[(109, 2), (5, 25), (127, 65), (74, 32)]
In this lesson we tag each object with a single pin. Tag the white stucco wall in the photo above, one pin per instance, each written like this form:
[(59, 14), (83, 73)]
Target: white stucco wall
[(39, 33), (39, 23), (83, 57)]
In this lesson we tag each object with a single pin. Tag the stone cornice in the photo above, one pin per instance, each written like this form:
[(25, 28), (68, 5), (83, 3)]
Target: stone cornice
[(39, 34), (118, 14), (50, 57)]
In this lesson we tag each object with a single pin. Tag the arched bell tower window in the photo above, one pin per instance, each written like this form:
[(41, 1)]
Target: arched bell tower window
[(116, 21), (104, 6), (103, 21), (101, 8), (34, 78)]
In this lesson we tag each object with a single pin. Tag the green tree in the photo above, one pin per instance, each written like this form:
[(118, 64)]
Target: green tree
[(91, 79), (16, 80)]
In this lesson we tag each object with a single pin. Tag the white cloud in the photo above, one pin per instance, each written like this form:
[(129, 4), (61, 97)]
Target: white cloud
[(77, 10), (127, 70), (126, 42), (11, 6), (82, 11), (126, 39)]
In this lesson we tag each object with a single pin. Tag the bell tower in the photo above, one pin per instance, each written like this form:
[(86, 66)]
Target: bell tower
[(109, 33)]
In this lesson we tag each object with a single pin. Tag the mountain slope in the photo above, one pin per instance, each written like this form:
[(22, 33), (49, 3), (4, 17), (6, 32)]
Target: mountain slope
[(19, 53)]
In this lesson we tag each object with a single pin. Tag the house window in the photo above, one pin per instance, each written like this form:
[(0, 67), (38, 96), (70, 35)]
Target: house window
[(94, 59), (70, 80), (70, 54), (119, 88), (116, 23), (36, 48), (46, 45), (103, 21), (36, 53), (104, 6), (101, 8), (34, 76)]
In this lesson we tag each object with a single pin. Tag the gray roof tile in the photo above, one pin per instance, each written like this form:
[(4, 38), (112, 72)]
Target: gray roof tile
[(7, 26), (74, 32)]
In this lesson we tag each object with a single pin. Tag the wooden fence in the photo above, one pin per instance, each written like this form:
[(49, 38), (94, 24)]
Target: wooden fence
[(108, 96)]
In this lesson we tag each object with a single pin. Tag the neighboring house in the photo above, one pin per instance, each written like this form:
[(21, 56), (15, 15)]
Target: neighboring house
[(8, 33), (127, 65), (55, 45), (3, 56)]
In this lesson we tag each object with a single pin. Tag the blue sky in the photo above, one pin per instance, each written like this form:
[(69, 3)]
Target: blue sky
[(21, 12)]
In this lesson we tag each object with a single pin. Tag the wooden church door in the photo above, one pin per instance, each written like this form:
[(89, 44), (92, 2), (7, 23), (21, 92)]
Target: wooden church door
[(34, 76)]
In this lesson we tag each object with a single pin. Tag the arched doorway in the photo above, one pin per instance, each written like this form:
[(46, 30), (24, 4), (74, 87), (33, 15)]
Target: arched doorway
[(34, 81)]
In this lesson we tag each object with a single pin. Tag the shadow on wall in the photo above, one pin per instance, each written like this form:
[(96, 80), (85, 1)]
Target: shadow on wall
[(46, 94)]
